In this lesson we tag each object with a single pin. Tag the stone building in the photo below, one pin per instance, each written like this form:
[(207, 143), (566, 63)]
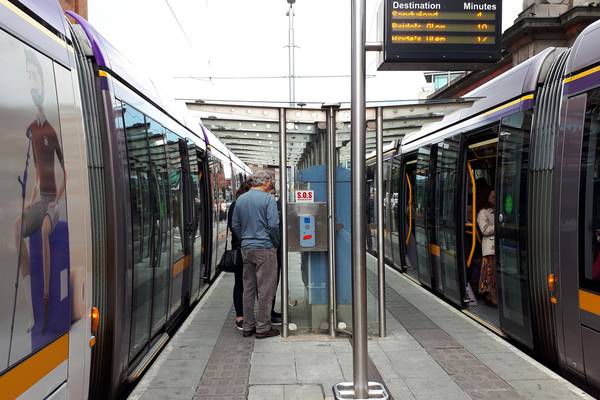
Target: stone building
[(541, 24), (79, 6)]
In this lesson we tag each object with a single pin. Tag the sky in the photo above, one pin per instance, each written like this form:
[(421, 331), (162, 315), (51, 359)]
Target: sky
[(236, 49)]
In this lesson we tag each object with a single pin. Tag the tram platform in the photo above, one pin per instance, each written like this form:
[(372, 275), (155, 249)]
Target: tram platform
[(431, 351)]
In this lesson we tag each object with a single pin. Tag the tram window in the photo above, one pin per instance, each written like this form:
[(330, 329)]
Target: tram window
[(216, 174), (176, 188), (160, 236), (141, 218), (590, 196)]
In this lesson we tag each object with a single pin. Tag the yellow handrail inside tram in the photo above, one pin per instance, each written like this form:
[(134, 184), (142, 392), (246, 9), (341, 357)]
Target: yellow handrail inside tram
[(473, 224), (409, 209)]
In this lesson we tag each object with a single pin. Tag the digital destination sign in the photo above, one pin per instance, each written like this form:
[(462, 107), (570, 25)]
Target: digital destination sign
[(440, 35)]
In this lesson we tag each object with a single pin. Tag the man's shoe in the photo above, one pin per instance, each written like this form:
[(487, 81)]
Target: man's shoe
[(267, 334), (276, 318), (239, 325), (249, 333)]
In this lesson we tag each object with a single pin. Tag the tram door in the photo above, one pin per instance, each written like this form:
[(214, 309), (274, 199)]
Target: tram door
[(422, 213), (179, 189), (444, 229), (198, 225), (408, 245), (511, 232)]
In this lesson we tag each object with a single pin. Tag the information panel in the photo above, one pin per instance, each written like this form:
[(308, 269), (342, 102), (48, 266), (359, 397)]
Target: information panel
[(441, 35)]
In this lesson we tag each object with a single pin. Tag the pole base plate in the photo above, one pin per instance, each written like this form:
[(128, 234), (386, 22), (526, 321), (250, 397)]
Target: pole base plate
[(345, 391)]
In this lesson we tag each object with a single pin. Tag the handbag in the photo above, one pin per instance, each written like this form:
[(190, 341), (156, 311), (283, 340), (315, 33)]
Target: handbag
[(231, 260)]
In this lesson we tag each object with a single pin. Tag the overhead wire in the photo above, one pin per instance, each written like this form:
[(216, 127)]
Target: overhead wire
[(187, 38)]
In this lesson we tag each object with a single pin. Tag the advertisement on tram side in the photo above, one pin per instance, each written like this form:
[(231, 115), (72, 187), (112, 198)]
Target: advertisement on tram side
[(35, 307)]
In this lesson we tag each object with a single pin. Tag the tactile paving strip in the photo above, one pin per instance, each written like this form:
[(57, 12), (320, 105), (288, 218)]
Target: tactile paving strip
[(469, 373), (227, 373)]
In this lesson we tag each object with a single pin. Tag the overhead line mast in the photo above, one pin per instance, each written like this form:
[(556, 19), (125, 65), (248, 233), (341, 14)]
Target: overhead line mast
[(291, 54)]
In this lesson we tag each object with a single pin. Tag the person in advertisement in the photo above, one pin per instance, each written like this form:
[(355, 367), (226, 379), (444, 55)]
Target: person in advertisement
[(40, 211)]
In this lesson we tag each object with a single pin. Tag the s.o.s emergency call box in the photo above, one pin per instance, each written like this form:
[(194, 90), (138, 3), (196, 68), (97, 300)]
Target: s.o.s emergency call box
[(307, 227), (307, 231)]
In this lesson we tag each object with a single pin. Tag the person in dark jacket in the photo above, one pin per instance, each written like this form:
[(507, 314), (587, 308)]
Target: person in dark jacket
[(238, 288)]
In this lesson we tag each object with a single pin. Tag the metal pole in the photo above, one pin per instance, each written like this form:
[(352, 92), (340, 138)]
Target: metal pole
[(292, 56), (359, 210), (284, 240), (331, 181), (380, 247)]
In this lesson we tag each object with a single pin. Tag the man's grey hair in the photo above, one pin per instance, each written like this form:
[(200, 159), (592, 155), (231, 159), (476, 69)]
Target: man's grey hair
[(261, 178)]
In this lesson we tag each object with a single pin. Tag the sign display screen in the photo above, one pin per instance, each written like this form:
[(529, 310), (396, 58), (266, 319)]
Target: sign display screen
[(441, 35)]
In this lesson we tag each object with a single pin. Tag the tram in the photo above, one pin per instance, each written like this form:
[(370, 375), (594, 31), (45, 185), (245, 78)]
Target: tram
[(532, 139), (114, 209)]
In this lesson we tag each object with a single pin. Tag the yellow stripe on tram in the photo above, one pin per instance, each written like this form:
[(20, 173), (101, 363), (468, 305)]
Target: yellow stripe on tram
[(35, 24), (589, 302), (103, 74), (582, 74), (16, 381), (530, 96), (181, 265)]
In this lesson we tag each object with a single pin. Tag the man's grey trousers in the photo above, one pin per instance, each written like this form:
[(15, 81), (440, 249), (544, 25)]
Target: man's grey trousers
[(260, 275)]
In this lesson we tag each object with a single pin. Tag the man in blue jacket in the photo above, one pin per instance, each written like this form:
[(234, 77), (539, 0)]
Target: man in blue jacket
[(256, 222)]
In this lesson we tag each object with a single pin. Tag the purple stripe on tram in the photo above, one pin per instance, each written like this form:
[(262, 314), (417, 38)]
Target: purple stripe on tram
[(92, 35), (582, 84)]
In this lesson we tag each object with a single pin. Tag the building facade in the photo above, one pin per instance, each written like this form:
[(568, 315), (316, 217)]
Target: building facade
[(541, 24), (79, 6)]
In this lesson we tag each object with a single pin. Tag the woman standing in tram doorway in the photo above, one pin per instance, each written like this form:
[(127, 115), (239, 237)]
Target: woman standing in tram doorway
[(485, 221)]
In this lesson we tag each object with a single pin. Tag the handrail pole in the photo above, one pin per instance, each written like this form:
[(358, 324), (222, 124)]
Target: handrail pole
[(284, 239), (473, 214), (380, 226)]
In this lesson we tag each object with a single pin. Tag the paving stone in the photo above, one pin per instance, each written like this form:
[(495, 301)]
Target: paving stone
[(434, 338), (314, 367), (276, 345), (435, 389), (189, 352), (303, 392), (273, 374), (227, 372), (548, 389), (266, 392), (180, 393), (481, 343), (398, 389), (494, 395), (179, 374), (260, 360), (511, 366)]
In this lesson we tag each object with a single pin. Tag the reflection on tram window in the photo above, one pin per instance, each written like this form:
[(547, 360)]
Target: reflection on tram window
[(175, 182), (590, 223), (141, 217)]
